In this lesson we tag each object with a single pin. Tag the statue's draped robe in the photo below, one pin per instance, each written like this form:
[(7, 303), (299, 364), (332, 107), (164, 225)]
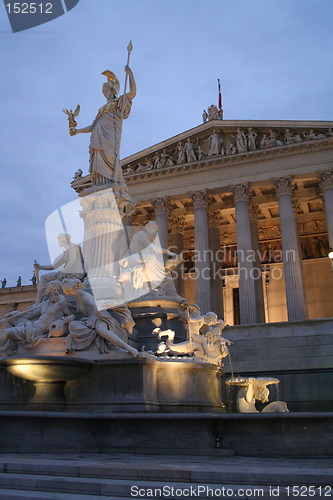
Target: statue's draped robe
[(83, 332), (105, 139)]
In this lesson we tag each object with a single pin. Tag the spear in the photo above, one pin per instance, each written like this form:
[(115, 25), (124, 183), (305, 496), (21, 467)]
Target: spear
[(129, 50)]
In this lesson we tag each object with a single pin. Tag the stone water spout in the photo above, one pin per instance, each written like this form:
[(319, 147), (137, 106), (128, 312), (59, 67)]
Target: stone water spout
[(252, 389)]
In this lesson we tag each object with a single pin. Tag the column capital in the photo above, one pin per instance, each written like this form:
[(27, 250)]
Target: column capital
[(200, 198), (241, 192), (325, 178), (178, 224), (214, 218), (161, 205), (284, 185)]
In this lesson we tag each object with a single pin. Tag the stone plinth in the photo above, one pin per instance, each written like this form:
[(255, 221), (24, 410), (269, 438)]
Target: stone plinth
[(260, 435)]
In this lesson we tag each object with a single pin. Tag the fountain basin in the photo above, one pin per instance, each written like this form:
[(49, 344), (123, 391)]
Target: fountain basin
[(243, 381), (47, 368), (49, 374)]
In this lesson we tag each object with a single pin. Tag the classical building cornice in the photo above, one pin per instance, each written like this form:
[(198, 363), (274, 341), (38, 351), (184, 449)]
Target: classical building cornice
[(224, 142)]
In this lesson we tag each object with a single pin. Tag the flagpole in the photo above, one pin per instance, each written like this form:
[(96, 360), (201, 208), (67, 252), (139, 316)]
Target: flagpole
[(219, 99)]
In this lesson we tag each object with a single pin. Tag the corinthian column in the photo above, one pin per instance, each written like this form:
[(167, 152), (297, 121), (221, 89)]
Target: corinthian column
[(257, 272), (245, 255), (214, 221), (201, 253), (161, 206), (291, 254), (178, 226), (326, 181)]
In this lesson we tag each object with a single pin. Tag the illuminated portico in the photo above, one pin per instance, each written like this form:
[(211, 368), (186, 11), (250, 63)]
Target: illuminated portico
[(266, 221)]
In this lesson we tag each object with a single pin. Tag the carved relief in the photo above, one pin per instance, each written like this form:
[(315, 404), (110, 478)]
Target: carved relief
[(269, 232), (230, 144), (189, 150), (241, 142), (215, 144), (254, 211), (314, 247), (181, 154), (291, 138), (313, 226), (251, 139), (214, 218), (178, 224), (296, 207)]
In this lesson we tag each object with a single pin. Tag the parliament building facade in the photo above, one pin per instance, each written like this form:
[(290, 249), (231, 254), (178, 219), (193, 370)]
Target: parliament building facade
[(250, 203)]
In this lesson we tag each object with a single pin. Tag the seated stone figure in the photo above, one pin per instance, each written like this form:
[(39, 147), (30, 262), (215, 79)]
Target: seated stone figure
[(68, 263), (31, 325), (146, 266), (98, 326), (143, 263)]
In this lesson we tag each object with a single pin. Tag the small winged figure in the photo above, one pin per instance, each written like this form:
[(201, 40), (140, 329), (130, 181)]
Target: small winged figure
[(71, 118)]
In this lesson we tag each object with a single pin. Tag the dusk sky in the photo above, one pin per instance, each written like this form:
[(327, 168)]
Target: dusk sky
[(273, 57)]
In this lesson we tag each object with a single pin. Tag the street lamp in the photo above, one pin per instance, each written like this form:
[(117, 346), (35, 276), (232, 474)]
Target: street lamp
[(330, 254)]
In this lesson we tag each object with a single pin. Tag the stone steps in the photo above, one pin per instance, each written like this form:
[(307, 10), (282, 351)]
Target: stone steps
[(111, 477), (51, 488), (6, 494)]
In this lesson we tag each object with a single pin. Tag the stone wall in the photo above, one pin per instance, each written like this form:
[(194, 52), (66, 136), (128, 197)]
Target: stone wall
[(298, 353)]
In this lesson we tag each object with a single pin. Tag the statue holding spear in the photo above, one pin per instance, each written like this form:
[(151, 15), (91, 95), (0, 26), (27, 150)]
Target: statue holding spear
[(106, 129)]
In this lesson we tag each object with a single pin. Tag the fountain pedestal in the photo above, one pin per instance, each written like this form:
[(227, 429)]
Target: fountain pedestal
[(126, 384)]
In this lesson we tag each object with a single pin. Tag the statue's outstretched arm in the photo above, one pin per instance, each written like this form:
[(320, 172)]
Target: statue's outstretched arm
[(132, 92), (40, 267), (85, 130)]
